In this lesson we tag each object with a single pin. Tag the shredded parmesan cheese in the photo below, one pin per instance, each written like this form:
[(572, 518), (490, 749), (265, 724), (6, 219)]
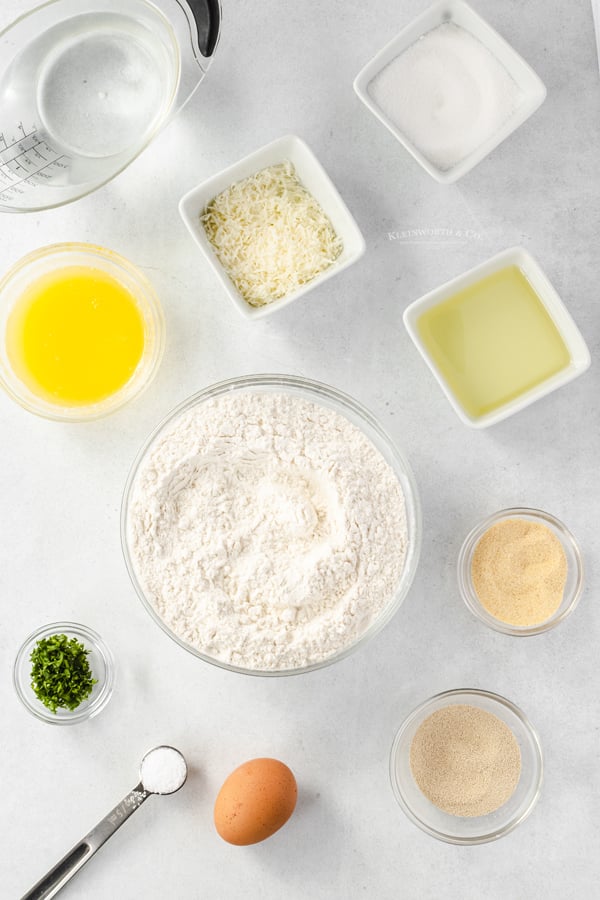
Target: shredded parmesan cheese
[(270, 234)]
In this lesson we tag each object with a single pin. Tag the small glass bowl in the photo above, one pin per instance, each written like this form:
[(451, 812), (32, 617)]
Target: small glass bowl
[(573, 586), (101, 663), (346, 406), (458, 829), (58, 256)]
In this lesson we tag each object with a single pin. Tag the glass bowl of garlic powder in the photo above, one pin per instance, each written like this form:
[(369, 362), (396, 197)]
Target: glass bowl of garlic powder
[(270, 526), (520, 571)]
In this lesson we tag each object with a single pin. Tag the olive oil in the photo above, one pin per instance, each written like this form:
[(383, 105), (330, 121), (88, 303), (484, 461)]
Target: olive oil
[(493, 341)]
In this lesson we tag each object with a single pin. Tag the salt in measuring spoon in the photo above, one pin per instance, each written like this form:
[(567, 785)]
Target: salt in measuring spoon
[(163, 770)]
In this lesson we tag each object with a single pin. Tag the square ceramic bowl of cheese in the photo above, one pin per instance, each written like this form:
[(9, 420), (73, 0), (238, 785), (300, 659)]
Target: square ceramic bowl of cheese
[(497, 338), (450, 89), (272, 227)]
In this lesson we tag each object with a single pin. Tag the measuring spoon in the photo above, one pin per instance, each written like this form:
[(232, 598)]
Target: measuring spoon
[(64, 870)]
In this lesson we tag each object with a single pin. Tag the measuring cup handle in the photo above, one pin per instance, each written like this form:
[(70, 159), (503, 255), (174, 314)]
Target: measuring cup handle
[(63, 871), (207, 16)]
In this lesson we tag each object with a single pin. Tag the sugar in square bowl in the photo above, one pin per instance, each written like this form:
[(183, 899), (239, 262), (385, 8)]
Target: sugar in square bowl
[(497, 338), (436, 97), (313, 178)]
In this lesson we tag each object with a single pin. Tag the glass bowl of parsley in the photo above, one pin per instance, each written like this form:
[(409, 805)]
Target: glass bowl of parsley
[(64, 673)]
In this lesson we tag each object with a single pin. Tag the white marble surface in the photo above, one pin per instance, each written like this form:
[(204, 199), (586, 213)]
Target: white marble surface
[(284, 66)]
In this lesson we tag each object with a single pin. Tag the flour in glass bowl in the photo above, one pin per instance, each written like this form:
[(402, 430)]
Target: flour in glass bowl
[(267, 531)]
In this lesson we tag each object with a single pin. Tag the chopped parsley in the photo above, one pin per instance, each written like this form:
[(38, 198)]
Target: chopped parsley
[(60, 672)]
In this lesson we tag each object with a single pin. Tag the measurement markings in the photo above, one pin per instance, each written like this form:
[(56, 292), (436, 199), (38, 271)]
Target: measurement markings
[(20, 140), (33, 147), (38, 171)]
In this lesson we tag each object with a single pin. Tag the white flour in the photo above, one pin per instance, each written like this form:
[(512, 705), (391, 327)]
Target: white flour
[(267, 531)]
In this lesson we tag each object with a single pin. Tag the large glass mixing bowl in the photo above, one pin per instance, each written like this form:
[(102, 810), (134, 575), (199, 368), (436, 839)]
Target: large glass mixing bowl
[(345, 406)]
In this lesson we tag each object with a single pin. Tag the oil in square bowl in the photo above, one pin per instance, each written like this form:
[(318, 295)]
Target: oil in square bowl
[(450, 89), (261, 243), (497, 338)]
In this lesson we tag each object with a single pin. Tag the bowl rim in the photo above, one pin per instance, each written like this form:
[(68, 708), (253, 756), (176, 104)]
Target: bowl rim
[(438, 13), (69, 717), (418, 713), (288, 145), (148, 303), (467, 590), (550, 299), (314, 391)]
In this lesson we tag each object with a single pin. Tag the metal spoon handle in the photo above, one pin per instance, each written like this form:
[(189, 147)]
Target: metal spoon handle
[(63, 871)]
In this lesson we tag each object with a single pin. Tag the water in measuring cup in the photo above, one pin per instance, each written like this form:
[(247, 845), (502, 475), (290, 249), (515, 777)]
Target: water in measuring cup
[(78, 102), (104, 85)]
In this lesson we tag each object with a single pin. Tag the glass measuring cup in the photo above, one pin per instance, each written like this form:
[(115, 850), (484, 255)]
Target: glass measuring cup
[(86, 84)]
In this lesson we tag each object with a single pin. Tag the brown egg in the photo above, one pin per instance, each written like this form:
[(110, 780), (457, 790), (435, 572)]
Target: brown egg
[(255, 801)]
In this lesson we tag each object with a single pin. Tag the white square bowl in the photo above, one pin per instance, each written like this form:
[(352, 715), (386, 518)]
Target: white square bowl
[(315, 180), (459, 13), (574, 342)]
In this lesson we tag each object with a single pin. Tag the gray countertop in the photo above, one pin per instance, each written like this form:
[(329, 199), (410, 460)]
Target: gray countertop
[(285, 67)]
